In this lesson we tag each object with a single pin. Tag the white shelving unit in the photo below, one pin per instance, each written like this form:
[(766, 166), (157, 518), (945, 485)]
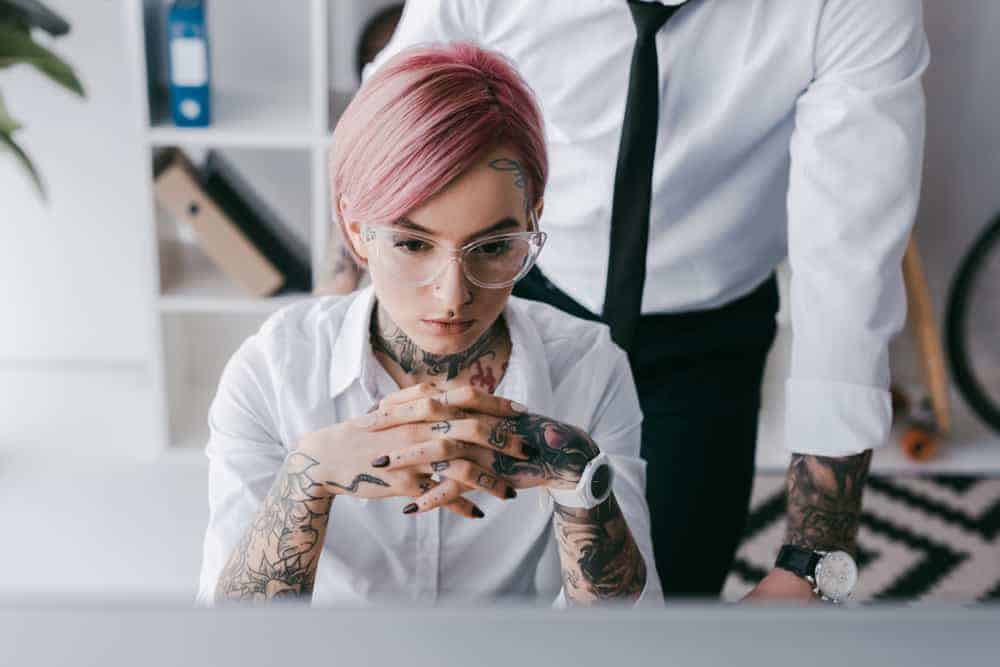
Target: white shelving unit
[(271, 107)]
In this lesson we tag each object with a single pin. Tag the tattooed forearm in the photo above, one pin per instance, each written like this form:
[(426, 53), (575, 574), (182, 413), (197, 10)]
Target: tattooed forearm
[(392, 341), (600, 560), (277, 556), (562, 451), (824, 500), (599, 557)]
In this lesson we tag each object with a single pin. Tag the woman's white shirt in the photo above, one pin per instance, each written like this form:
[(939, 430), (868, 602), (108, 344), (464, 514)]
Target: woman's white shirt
[(311, 365)]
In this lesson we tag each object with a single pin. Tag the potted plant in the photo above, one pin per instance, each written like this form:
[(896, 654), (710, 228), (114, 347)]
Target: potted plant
[(17, 18)]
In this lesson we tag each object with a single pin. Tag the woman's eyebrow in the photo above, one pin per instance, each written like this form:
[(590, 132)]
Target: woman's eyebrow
[(498, 226)]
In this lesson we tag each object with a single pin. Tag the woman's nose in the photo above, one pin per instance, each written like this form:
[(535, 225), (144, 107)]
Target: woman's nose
[(451, 288)]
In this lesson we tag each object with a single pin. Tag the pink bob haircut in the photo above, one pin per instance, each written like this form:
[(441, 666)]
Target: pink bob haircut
[(426, 116)]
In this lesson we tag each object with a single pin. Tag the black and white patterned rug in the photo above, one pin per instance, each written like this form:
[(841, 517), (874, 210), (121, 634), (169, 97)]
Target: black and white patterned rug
[(921, 539)]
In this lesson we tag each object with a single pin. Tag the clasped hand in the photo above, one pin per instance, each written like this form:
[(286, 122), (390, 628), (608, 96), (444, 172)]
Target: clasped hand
[(470, 439)]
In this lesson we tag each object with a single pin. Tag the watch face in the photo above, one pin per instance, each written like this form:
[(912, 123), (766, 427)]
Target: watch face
[(600, 481), (836, 575)]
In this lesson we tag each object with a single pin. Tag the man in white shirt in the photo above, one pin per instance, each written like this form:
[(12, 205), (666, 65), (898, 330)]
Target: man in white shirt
[(784, 128)]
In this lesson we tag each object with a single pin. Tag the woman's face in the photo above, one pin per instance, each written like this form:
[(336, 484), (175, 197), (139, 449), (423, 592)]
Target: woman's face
[(451, 313)]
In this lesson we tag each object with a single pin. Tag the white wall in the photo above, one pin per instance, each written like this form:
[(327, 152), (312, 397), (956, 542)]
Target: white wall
[(73, 284), (962, 164), (962, 158), (71, 277)]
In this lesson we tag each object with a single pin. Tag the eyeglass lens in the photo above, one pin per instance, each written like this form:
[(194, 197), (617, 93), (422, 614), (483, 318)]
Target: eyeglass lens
[(491, 261)]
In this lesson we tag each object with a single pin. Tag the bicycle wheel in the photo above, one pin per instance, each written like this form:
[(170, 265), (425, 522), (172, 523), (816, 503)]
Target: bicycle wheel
[(973, 326)]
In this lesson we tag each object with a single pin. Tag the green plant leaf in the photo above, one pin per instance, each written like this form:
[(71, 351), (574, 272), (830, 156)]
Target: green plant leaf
[(15, 23), (16, 46), (7, 122), (7, 127), (34, 13), (6, 141)]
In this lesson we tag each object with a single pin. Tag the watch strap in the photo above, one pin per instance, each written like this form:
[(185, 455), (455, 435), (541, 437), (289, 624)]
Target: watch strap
[(797, 560), (580, 496), (568, 497)]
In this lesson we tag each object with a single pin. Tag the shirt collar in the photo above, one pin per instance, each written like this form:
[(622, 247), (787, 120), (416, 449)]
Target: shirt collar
[(352, 351), (526, 380)]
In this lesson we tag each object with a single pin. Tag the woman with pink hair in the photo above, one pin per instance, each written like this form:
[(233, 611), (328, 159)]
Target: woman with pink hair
[(433, 387)]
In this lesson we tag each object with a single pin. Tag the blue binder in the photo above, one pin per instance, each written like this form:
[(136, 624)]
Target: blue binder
[(188, 58)]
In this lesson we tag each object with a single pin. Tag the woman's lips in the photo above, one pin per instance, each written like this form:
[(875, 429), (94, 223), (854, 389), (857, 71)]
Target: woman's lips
[(447, 327)]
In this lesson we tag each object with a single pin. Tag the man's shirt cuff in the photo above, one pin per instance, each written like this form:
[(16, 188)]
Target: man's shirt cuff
[(830, 418)]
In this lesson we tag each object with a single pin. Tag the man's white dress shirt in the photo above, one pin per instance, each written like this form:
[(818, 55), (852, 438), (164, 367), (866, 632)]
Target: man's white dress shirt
[(787, 127), (311, 365)]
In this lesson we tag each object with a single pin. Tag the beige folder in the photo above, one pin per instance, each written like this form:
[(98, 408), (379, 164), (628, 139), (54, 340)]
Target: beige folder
[(178, 191)]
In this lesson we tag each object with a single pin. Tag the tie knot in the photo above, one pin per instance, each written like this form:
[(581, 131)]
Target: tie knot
[(650, 16)]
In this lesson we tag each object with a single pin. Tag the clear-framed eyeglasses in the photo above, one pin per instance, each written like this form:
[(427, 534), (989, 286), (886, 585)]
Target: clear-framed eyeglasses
[(493, 262)]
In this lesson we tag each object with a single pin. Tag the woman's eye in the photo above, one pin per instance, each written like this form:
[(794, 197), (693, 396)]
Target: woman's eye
[(493, 248), (411, 245)]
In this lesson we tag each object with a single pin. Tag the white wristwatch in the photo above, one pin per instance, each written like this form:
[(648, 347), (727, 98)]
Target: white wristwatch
[(593, 488)]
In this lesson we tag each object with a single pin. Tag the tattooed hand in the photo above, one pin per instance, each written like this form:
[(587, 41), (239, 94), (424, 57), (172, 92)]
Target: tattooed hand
[(524, 449), (563, 451), (351, 456)]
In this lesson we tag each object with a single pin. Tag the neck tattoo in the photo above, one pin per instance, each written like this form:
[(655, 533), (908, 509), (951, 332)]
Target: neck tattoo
[(391, 341)]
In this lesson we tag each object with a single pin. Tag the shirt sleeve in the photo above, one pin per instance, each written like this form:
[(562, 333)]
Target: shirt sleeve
[(244, 453), (856, 160), (616, 427), (427, 21)]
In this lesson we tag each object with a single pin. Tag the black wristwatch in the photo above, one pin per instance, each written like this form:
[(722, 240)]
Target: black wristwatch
[(833, 574)]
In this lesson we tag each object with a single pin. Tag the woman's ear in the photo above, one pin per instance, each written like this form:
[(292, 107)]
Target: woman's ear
[(351, 231)]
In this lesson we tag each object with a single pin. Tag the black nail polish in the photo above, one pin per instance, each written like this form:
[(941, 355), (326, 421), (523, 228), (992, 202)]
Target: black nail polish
[(380, 462), (478, 513), (510, 493), (530, 451), (410, 509)]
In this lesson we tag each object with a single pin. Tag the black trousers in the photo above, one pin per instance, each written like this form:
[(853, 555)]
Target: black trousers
[(698, 375)]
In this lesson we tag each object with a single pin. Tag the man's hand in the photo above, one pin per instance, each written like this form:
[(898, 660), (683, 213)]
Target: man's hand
[(780, 585)]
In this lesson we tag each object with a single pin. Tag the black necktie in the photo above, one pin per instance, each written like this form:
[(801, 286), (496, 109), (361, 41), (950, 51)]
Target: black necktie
[(634, 177)]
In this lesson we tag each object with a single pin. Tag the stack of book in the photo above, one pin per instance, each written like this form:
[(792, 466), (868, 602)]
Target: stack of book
[(240, 234)]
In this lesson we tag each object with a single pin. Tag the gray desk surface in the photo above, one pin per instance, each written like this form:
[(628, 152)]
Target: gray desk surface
[(109, 635)]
